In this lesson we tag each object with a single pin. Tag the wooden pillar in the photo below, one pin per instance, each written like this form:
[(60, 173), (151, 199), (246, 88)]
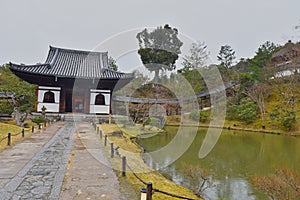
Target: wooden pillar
[(62, 100), (110, 107), (87, 100), (110, 99), (37, 97)]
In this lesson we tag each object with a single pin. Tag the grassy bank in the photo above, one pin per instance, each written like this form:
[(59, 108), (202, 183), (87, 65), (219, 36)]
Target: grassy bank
[(135, 161), (256, 126), (10, 127)]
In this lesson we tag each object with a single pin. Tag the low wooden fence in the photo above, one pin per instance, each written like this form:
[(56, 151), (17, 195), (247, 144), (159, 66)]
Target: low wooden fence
[(10, 136)]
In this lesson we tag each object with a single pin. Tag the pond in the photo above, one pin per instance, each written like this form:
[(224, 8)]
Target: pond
[(237, 156)]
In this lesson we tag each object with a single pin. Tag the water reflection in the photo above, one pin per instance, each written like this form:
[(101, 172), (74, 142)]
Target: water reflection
[(236, 157)]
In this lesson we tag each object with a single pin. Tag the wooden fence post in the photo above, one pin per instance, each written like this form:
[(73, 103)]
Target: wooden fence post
[(105, 140), (100, 132), (112, 150), (23, 132), (8, 139), (149, 191), (124, 166)]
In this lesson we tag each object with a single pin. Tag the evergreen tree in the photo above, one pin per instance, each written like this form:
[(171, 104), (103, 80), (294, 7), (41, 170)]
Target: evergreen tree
[(197, 57), (226, 56), (112, 64), (159, 49), (21, 93)]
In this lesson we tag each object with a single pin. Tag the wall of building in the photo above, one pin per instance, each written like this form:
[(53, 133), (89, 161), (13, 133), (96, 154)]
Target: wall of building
[(99, 109), (51, 107)]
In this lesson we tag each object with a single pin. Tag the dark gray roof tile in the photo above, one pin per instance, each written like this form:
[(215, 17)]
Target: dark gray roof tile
[(73, 63)]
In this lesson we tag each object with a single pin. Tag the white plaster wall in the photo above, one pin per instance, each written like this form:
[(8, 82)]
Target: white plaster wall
[(99, 109), (51, 107)]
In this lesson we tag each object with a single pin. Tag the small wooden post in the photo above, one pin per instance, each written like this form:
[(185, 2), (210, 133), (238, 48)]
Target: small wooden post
[(32, 129), (105, 140), (112, 150), (23, 132), (124, 166), (45, 124), (149, 191), (100, 132), (8, 139)]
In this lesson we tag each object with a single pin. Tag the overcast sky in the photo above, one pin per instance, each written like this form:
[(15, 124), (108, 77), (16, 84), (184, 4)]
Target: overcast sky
[(28, 27)]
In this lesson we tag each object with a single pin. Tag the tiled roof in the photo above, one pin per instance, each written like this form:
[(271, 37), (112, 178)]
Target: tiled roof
[(74, 64)]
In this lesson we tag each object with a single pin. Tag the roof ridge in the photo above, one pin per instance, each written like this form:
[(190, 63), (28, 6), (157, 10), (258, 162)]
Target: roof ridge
[(23, 65), (77, 50)]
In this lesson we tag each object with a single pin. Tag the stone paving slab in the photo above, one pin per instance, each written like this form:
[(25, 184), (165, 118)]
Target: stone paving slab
[(89, 174)]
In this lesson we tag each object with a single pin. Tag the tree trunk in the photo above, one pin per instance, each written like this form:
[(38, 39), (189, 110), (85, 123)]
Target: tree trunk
[(16, 111), (156, 75), (18, 116)]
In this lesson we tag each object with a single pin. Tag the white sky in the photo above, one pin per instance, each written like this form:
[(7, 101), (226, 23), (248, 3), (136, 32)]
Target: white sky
[(28, 27)]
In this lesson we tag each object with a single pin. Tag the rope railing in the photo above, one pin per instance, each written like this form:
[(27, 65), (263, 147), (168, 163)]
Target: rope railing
[(16, 134), (2, 139), (140, 179), (10, 135), (171, 195), (125, 164)]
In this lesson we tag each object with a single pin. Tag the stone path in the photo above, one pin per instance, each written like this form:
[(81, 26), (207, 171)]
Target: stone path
[(12, 160), (89, 174), (42, 176), (36, 168)]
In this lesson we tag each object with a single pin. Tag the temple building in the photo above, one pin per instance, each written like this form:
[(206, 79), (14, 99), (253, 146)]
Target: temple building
[(287, 60), (73, 81)]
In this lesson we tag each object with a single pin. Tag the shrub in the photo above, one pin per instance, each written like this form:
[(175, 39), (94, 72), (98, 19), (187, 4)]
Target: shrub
[(283, 184), (246, 111), (285, 118), (123, 121), (288, 119), (38, 120), (26, 125), (5, 107), (154, 121), (195, 115), (198, 115), (203, 116), (199, 179)]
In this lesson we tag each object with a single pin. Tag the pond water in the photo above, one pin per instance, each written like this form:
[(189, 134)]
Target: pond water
[(237, 156)]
